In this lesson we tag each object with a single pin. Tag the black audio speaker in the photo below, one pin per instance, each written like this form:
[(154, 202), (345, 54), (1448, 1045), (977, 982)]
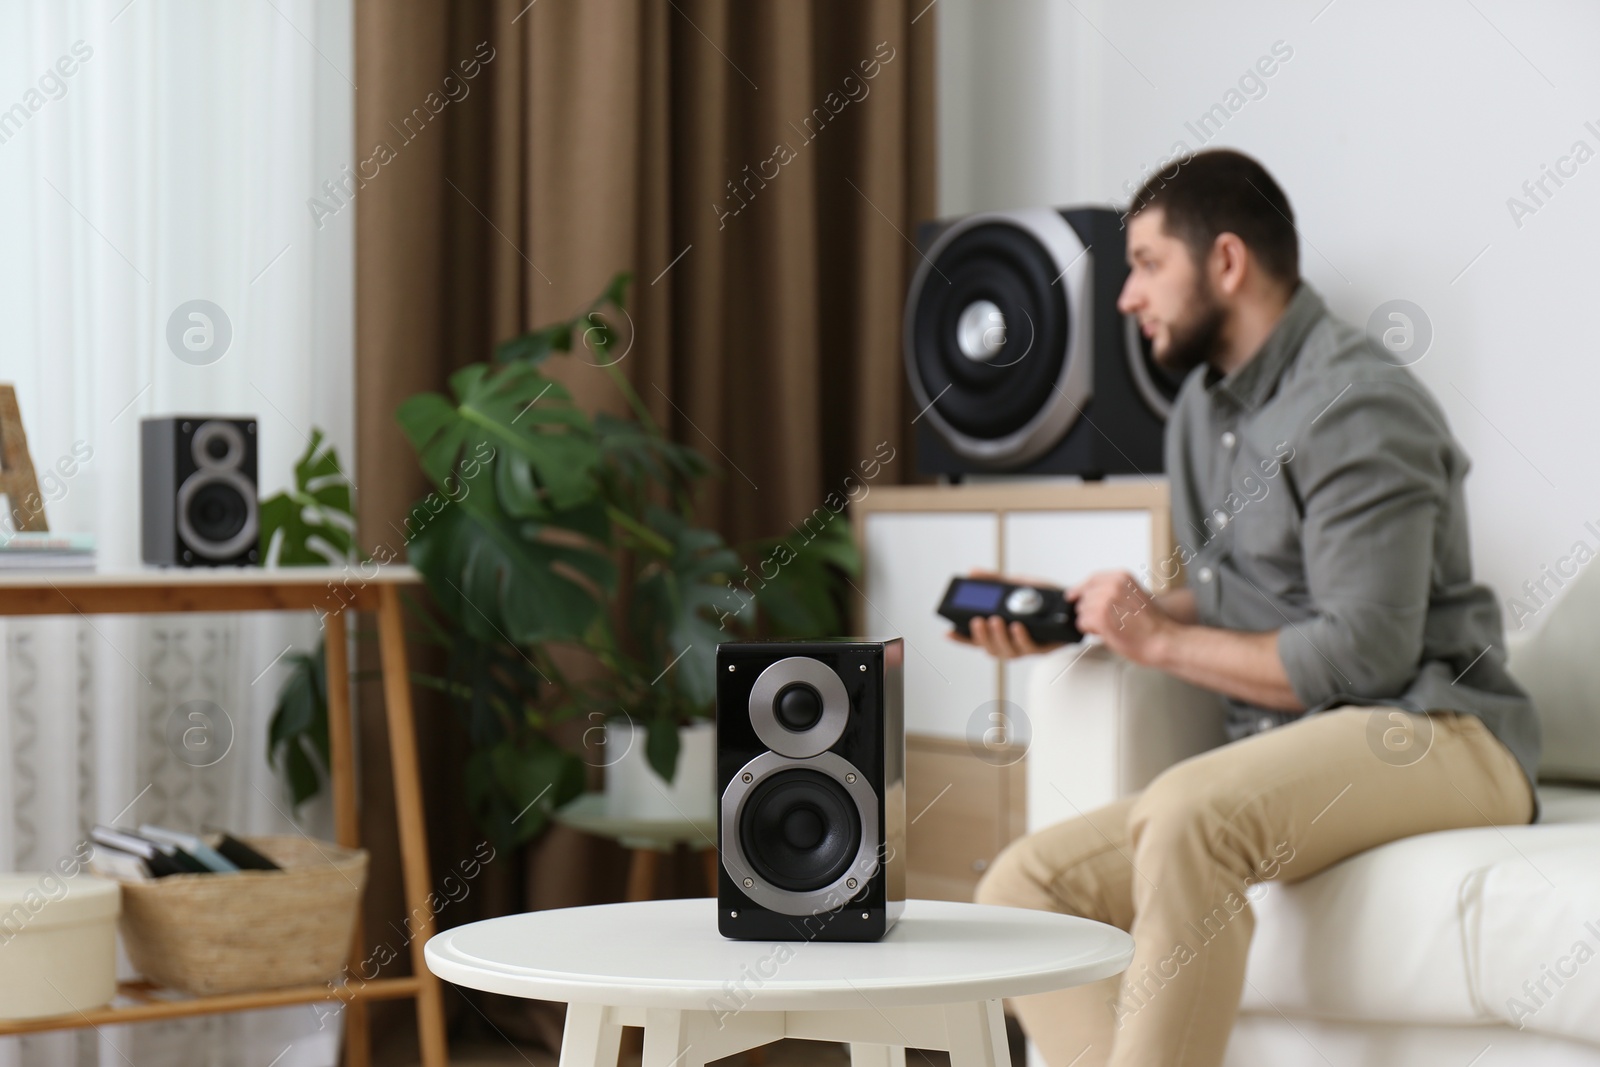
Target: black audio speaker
[(1017, 355), (198, 491), (811, 756)]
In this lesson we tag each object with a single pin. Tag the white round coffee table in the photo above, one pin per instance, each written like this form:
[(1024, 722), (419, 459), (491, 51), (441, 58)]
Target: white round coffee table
[(934, 982)]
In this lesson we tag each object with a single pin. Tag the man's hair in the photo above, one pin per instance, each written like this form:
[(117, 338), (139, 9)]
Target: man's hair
[(1223, 191)]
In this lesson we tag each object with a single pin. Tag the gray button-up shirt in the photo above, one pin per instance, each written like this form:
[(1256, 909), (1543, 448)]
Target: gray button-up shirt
[(1316, 491)]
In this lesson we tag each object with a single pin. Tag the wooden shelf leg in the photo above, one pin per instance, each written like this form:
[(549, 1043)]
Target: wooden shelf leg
[(642, 869), (346, 815), (413, 826)]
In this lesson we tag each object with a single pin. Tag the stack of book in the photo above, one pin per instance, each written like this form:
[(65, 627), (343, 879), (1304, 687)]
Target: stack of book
[(155, 852), (21, 551)]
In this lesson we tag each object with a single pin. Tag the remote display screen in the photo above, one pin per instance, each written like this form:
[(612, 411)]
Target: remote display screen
[(978, 596)]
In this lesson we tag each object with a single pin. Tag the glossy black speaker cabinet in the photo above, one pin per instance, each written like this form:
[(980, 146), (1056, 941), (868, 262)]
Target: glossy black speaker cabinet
[(811, 821), (198, 505)]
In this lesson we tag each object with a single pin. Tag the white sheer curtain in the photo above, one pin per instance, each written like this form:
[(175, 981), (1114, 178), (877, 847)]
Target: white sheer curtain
[(154, 152)]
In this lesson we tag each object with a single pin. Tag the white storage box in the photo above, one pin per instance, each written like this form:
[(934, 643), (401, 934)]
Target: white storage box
[(58, 943)]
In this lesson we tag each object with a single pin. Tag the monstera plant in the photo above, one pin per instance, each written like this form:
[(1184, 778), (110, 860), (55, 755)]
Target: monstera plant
[(552, 529)]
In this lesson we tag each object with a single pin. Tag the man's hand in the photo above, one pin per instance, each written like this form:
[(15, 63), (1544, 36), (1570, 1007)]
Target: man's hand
[(991, 634), (1118, 610)]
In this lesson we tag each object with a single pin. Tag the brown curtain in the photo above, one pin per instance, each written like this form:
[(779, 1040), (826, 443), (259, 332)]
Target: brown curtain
[(758, 166)]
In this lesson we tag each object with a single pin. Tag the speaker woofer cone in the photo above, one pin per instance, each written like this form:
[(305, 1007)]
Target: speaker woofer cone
[(217, 513), (799, 830)]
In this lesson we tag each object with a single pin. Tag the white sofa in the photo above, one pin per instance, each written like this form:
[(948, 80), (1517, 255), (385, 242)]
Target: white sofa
[(1414, 953)]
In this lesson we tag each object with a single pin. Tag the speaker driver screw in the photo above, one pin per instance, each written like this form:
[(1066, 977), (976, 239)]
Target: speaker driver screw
[(863, 668), (850, 778), (745, 777), (864, 915), (748, 883), (850, 883), (730, 668), (733, 915)]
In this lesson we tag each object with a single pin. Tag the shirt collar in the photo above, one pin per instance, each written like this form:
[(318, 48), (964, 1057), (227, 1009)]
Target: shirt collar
[(1250, 385)]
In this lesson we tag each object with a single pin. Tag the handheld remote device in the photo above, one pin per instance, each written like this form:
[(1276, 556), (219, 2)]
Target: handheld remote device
[(1046, 613)]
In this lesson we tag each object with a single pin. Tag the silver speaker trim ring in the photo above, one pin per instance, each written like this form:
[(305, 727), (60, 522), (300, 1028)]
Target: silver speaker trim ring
[(247, 534), (1142, 381), (1073, 387), (834, 895), (799, 744), (217, 428)]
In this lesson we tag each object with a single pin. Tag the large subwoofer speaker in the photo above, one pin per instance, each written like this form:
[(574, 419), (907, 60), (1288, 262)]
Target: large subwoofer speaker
[(1017, 356), (198, 491), (811, 774)]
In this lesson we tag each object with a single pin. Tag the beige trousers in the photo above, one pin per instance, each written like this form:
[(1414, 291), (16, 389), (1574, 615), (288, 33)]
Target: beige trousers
[(1178, 865)]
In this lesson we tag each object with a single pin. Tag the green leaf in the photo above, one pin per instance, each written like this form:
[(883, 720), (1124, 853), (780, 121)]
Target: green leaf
[(512, 788), (661, 745), (801, 592), (681, 603), (312, 523), (500, 585), (297, 734)]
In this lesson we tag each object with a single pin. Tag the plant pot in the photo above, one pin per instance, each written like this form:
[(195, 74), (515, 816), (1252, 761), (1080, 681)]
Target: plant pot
[(635, 791)]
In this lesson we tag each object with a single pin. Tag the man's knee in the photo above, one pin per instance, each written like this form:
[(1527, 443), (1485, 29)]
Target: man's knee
[(1006, 881), (1184, 803), (1190, 807)]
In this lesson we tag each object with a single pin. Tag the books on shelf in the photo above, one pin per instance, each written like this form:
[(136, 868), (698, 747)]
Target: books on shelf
[(28, 551), (156, 852)]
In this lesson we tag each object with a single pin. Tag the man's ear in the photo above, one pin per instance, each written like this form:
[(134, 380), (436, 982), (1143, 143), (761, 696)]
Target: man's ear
[(1229, 263)]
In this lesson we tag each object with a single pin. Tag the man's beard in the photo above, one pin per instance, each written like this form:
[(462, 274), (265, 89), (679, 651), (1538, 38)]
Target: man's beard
[(1199, 337)]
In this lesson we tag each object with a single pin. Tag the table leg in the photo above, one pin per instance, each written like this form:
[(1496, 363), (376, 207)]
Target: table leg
[(346, 816), (642, 869), (877, 1055), (668, 1041), (977, 1034), (412, 825), (591, 1038)]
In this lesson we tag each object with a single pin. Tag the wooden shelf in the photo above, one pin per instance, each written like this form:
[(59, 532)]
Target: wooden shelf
[(153, 590), (141, 1002), (329, 591)]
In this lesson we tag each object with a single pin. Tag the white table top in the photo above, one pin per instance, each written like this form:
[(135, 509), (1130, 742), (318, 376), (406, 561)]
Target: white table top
[(668, 954)]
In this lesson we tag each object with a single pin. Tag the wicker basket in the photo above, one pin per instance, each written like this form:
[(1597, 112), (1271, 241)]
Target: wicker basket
[(231, 933)]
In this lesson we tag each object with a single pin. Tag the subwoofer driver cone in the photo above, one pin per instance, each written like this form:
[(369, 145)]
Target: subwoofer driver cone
[(999, 334), (798, 831)]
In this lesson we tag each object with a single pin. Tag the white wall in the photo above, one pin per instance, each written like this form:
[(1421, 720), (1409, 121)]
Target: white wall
[(1398, 132)]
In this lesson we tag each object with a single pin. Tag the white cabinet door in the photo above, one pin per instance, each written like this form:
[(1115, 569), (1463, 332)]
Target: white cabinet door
[(1064, 547), (910, 558)]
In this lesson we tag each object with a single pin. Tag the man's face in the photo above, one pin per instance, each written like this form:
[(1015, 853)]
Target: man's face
[(1170, 295)]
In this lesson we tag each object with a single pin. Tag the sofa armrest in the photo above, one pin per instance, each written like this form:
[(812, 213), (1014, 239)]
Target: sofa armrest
[(1102, 728)]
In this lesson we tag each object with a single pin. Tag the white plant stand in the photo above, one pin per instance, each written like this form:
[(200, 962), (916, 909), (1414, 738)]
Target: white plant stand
[(936, 981)]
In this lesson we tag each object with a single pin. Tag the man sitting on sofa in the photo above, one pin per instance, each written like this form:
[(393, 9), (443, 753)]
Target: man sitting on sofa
[(1317, 501)]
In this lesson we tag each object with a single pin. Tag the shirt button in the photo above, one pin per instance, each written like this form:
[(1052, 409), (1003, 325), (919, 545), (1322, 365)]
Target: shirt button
[(1228, 440), (1221, 517), (1204, 574)]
